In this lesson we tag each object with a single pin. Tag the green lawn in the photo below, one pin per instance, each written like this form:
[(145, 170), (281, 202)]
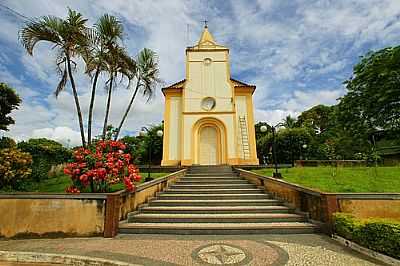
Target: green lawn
[(342, 179), (59, 183)]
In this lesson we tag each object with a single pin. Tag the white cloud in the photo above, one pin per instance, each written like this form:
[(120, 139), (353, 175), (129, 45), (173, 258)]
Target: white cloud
[(296, 103), (64, 135)]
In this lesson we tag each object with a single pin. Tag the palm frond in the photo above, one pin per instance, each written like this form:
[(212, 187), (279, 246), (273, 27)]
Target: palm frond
[(43, 29), (62, 83)]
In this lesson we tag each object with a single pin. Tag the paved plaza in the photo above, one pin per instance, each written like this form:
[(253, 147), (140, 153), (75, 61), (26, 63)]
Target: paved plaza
[(306, 249)]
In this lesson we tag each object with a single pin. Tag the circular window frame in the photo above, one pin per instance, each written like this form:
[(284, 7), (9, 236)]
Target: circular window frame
[(204, 101), (207, 61)]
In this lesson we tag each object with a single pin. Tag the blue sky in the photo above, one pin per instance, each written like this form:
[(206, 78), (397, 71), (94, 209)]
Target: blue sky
[(297, 53)]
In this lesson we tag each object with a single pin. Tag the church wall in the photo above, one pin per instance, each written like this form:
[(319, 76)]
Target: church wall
[(241, 110), (175, 128)]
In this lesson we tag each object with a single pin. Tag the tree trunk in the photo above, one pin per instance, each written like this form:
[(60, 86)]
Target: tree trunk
[(127, 110), (108, 107), (76, 98), (96, 75)]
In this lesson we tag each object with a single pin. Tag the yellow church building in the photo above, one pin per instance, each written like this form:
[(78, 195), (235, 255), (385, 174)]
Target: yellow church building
[(208, 117)]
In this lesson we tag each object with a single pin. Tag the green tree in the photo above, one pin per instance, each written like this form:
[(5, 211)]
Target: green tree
[(9, 101), (320, 118), (152, 145), (45, 153), (108, 33), (7, 143), (373, 97), (70, 37), (288, 122), (119, 63), (147, 78)]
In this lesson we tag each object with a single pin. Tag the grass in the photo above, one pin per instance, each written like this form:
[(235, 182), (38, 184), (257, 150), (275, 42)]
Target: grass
[(59, 183), (342, 179)]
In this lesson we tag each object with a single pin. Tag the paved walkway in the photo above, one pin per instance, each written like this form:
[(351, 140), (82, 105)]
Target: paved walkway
[(201, 250)]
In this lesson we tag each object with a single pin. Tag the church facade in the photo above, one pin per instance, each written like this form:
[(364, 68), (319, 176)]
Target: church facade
[(208, 118)]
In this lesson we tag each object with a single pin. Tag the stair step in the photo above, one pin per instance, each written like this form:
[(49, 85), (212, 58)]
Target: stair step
[(211, 202), (211, 179), (218, 229), (198, 186), (211, 174), (214, 217), (214, 191), (215, 209), (222, 181), (213, 196)]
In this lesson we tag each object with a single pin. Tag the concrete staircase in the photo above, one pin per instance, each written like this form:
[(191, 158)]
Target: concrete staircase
[(214, 200)]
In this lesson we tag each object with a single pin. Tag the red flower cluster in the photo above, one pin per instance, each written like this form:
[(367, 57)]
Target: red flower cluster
[(101, 167)]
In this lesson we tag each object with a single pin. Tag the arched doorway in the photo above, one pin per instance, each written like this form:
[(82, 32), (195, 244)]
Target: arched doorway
[(209, 142), (208, 146)]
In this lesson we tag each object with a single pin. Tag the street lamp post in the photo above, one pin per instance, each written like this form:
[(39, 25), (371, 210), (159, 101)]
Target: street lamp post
[(145, 131), (276, 174)]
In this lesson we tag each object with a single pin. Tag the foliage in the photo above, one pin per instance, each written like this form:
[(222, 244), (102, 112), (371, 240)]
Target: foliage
[(376, 234), (100, 167), (319, 118), (9, 101), (14, 168), (45, 154), (70, 37), (135, 147), (6, 142), (373, 94), (288, 122), (289, 144), (342, 179), (153, 144), (108, 33), (147, 78)]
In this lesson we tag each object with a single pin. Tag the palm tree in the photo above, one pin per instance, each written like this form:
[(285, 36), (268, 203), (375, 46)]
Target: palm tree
[(288, 122), (117, 62), (108, 33), (146, 79), (69, 36)]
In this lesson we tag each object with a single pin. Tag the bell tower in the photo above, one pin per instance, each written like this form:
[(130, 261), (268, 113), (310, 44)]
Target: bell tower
[(208, 116)]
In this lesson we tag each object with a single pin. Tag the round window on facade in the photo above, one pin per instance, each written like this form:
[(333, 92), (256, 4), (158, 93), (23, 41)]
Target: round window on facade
[(208, 103), (207, 61)]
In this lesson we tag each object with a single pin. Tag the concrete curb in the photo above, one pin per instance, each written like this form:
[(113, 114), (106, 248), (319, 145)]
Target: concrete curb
[(62, 259), (370, 253)]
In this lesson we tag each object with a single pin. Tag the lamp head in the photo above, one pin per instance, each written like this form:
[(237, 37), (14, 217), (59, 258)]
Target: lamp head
[(263, 129)]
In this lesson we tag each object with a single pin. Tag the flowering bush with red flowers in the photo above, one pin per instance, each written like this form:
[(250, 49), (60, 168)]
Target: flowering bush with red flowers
[(97, 168)]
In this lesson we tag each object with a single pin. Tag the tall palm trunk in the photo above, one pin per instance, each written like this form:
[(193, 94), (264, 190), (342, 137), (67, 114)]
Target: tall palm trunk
[(96, 76), (127, 110), (108, 106), (78, 107)]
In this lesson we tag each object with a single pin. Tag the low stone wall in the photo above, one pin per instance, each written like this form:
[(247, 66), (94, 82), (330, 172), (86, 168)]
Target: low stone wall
[(51, 215), (33, 215), (321, 205)]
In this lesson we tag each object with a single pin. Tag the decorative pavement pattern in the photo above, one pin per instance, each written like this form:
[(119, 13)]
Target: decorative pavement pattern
[(168, 250)]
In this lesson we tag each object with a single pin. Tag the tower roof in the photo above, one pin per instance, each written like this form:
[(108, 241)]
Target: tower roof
[(206, 38), (206, 42)]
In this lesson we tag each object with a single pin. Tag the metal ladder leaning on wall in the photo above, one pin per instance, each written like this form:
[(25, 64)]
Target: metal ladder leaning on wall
[(245, 137)]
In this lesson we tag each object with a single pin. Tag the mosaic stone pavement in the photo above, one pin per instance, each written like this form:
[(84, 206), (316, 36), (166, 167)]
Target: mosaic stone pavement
[(169, 250)]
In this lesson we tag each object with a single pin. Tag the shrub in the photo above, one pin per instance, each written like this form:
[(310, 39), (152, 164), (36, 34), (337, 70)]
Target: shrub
[(45, 153), (14, 168), (377, 234), (101, 166), (7, 143)]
